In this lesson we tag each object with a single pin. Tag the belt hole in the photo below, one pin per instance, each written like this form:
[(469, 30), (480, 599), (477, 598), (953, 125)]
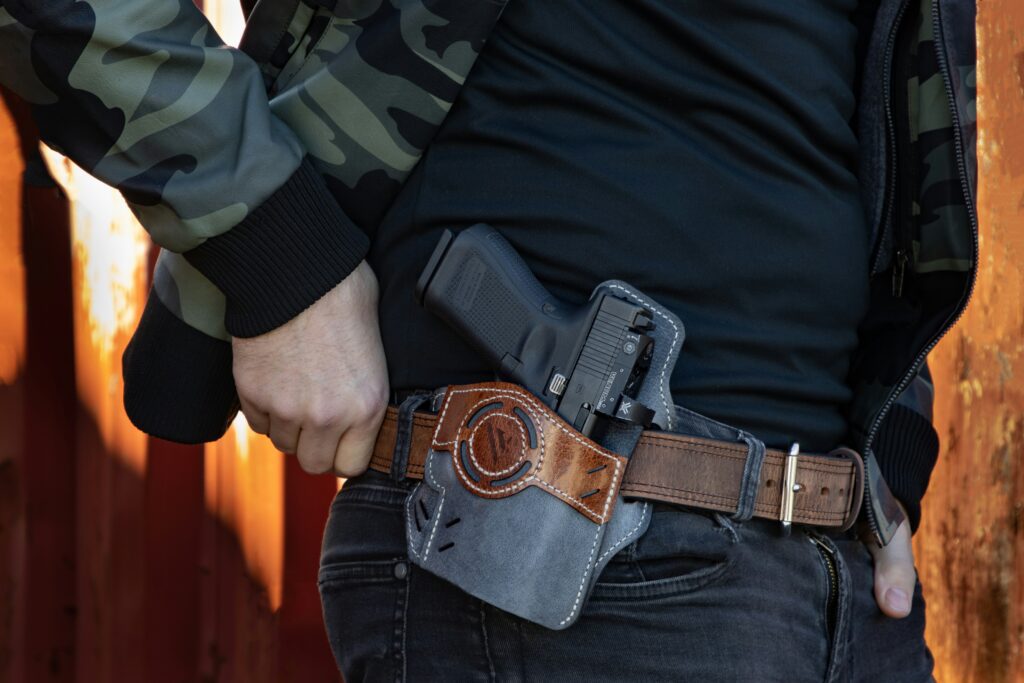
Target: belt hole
[(824, 490), (770, 483)]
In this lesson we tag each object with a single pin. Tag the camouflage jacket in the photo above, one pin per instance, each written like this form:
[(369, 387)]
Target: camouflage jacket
[(257, 169)]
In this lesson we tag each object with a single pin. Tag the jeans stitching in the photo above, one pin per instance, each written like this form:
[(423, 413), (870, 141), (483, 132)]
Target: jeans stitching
[(486, 642), (405, 619), (837, 640), (668, 588), (396, 639), (728, 527)]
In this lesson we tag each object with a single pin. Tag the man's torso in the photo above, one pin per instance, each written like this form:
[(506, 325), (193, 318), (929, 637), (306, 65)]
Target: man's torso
[(702, 153)]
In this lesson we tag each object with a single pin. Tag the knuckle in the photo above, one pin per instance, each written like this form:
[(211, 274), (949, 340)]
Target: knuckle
[(369, 407), (282, 446), (284, 411), (349, 470), (314, 463), (249, 387), (322, 416)]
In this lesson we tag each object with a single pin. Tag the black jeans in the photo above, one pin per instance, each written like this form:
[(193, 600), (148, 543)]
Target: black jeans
[(700, 597)]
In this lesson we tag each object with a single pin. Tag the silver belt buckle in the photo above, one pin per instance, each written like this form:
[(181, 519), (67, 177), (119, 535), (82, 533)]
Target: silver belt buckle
[(790, 487)]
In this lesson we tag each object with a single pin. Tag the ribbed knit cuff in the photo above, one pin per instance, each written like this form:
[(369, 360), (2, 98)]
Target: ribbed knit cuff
[(177, 381), (287, 253), (906, 449)]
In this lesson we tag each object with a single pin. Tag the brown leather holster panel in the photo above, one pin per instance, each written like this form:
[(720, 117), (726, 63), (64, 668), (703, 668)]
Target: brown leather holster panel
[(502, 440)]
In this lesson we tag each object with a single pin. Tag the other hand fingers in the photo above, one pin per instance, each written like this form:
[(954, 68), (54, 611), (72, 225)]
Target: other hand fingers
[(895, 576)]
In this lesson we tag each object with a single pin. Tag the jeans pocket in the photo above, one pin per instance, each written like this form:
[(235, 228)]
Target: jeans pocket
[(363, 579), (683, 551), (364, 607)]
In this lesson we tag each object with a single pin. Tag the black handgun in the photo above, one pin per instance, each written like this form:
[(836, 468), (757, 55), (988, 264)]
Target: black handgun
[(584, 362)]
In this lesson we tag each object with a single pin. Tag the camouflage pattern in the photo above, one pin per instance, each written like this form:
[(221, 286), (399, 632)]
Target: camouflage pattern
[(359, 85), (365, 86), (364, 123), (939, 223), (917, 298), (146, 97), (939, 209), (186, 293), (143, 94)]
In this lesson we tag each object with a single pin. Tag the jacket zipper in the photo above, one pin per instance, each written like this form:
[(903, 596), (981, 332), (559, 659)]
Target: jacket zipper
[(887, 227), (905, 180), (832, 601), (890, 127), (965, 188)]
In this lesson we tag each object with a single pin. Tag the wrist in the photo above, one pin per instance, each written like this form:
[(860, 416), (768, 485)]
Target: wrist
[(284, 256)]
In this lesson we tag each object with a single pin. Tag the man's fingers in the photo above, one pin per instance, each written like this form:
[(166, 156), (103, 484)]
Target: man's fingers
[(895, 576), (355, 450), (316, 449), (284, 434), (322, 372), (258, 420)]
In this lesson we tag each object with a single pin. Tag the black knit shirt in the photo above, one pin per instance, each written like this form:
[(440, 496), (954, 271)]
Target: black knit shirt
[(701, 151)]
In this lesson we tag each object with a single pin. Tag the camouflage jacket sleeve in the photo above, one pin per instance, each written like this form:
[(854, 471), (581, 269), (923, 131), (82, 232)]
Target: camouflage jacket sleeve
[(144, 95), (907, 446)]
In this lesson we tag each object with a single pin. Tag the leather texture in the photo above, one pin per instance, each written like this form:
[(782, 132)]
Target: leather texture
[(667, 467), (515, 507), (502, 440)]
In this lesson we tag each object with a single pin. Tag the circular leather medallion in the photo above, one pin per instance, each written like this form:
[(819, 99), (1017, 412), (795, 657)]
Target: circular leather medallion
[(497, 445), (494, 447)]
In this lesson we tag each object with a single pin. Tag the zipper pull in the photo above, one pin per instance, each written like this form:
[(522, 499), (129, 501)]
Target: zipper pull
[(899, 271), (821, 544)]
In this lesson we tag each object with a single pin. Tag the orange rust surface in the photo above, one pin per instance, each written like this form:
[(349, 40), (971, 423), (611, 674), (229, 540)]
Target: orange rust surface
[(12, 354), (970, 549), (12, 272)]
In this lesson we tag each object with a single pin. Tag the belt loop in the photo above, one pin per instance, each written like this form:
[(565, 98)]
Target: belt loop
[(403, 434), (751, 478)]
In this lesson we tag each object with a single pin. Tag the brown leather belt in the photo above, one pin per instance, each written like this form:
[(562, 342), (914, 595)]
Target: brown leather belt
[(825, 490)]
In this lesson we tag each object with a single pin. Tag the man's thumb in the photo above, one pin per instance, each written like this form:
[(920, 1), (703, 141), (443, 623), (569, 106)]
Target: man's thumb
[(895, 577)]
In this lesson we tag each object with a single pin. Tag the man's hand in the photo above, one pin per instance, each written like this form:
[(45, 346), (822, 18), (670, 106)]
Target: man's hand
[(318, 385), (895, 576)]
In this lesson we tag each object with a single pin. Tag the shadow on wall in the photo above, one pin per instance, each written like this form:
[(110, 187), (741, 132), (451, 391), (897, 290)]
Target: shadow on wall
[(120, 567)]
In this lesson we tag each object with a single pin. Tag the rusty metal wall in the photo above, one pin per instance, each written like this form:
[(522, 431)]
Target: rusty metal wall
[(970, 549), (125, 558)]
